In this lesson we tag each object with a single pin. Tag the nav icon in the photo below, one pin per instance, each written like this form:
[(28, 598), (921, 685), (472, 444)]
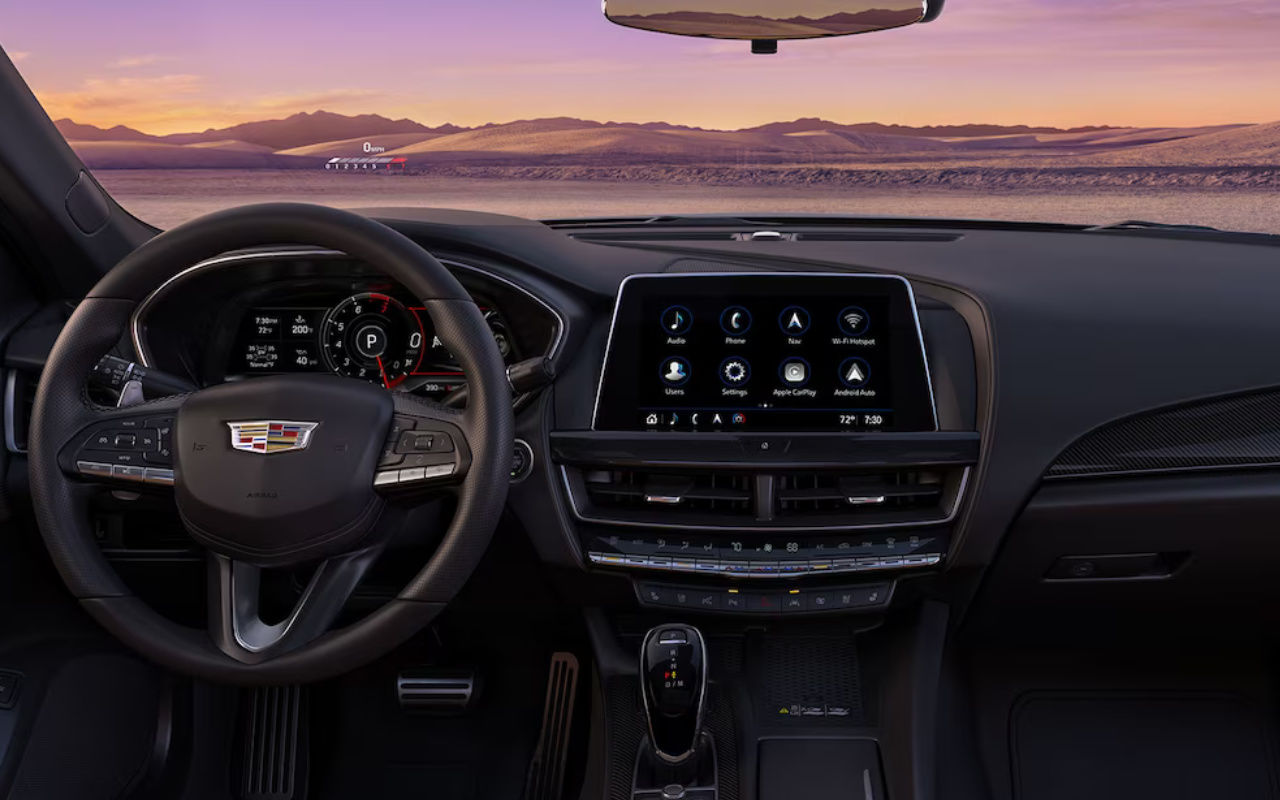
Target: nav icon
[(794, 321)]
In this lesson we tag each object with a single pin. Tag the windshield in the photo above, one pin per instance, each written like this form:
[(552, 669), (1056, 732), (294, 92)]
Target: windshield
[(1079, 111)]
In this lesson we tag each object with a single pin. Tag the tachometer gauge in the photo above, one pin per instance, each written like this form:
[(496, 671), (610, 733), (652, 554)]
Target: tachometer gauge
[(374, 337)]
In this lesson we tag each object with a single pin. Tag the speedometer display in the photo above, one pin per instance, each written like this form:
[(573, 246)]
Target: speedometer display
[(374, 337)]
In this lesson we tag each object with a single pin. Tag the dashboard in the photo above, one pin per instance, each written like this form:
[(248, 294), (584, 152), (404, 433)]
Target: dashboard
[(993, 364)]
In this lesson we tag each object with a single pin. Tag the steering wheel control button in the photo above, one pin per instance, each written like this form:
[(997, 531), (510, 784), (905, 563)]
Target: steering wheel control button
[(387, 478), (158, 476), (675, 371), (735, 320), (794, 372), (438, 471), (854, 321), (794, 321), (676, 321), (735, 371), (128, 473), (415, 441), (93, 469), (126, 441)]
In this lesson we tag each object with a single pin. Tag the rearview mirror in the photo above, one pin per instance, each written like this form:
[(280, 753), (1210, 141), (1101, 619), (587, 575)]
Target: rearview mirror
[(765, 22)]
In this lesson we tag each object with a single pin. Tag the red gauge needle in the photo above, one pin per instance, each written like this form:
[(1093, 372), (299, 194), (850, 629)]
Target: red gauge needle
[(385, 382)]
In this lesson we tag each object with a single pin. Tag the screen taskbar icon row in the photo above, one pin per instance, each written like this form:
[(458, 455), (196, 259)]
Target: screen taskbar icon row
[(765, 419), (693, 419)]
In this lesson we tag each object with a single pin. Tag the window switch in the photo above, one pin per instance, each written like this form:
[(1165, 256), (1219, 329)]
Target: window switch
[(10, 682)]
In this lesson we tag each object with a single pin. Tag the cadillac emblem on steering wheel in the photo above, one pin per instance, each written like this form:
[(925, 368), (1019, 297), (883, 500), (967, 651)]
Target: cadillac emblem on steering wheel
[(271, 436)]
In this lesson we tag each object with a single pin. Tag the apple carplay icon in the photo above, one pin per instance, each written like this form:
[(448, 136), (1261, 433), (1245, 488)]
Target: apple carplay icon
[(795, 372)]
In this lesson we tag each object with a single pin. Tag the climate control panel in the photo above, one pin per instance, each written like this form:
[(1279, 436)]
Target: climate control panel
[(764, 556)]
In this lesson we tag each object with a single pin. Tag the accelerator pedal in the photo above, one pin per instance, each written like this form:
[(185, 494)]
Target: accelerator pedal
[(275, 758), (546, 772)]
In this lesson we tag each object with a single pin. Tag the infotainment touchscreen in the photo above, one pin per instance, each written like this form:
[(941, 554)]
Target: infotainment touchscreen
[(765, 352)]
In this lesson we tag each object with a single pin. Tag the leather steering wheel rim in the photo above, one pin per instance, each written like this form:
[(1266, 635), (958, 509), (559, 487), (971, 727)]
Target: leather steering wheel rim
[(99, 322)]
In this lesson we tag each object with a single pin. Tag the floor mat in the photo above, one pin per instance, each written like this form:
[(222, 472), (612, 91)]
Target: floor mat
[(365, 746), (1127, 746)]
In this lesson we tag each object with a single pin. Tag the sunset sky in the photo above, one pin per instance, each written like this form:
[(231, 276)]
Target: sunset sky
[(177, 65)]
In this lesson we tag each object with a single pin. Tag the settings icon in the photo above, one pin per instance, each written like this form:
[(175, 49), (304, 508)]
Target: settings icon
[(735, 371)]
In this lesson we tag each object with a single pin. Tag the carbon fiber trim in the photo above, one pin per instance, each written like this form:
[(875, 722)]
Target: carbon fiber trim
[(1239, 431)]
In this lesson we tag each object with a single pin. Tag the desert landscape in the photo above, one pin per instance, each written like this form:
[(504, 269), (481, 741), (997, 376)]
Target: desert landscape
[(1226, 173)]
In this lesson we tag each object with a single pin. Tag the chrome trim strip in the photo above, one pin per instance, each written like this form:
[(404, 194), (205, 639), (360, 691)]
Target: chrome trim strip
[(10, 401), (770, 569), (911, 297), (135, 322), (950, 517)]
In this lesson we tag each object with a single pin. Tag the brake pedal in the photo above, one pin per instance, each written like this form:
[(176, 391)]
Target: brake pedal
[(274, 761), (546, 771), (424, 690)]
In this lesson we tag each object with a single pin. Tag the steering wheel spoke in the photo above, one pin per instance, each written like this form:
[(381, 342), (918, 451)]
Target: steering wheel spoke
[(426, 451), (125, 447), (235, 605)]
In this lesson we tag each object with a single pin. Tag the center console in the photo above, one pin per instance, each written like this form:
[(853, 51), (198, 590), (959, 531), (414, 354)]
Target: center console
[(766, 443)]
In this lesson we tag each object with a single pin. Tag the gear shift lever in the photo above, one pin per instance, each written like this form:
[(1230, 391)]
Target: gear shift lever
[(673, 678)]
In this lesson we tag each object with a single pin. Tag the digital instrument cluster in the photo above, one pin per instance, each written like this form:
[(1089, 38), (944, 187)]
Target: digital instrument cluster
[(371, 335), (765, 352)]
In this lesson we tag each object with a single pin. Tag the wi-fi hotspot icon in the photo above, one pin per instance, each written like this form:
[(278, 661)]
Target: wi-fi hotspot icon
[(854, 320)]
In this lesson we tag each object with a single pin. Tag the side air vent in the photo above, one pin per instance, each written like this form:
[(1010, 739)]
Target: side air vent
[(19, 399), (794, 499)]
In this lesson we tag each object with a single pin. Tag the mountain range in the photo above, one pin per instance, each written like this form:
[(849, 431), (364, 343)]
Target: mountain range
[(307, 140)]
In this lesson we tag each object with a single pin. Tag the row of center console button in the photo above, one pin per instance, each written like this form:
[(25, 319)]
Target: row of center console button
[(868, 597)]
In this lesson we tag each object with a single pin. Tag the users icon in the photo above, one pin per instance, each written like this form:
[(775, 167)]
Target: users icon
[(675, 371)]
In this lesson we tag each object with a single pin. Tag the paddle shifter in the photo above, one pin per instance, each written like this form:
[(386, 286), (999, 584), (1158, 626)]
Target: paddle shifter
[(673, 677)]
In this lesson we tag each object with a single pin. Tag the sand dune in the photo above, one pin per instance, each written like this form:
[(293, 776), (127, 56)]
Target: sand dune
[(233, 145), (1114, 137), (151, 155), (565, 138), (1251, 144)]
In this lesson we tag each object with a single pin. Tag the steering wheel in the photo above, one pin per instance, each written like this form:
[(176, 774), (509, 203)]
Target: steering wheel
[(274, 472)]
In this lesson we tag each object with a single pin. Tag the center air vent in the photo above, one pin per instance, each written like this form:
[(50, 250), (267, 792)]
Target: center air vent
[(740, 499), (695, 492), (819, 494)]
